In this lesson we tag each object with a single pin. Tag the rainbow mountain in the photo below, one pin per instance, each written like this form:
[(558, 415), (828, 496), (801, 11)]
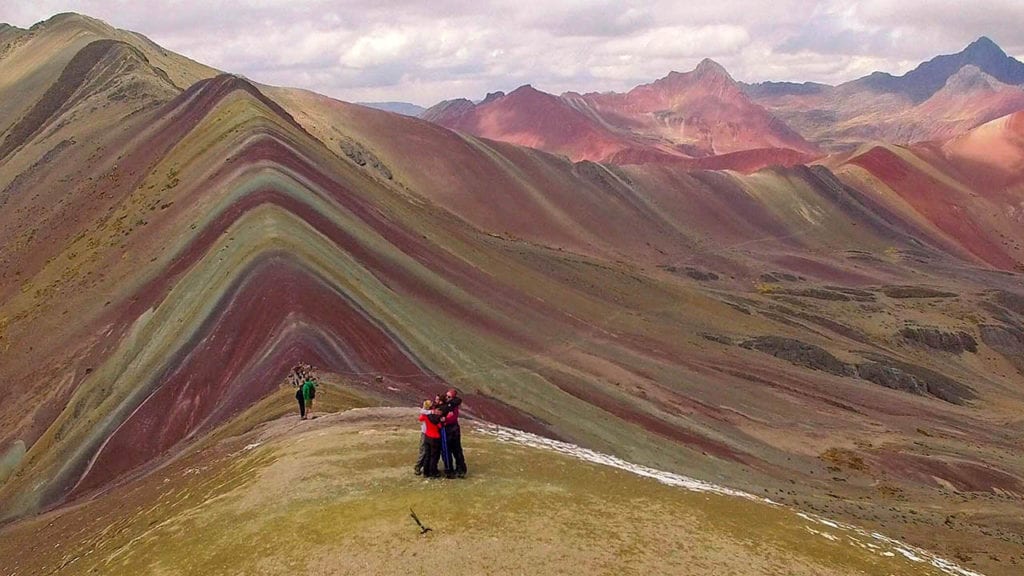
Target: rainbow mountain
[(845, 336)]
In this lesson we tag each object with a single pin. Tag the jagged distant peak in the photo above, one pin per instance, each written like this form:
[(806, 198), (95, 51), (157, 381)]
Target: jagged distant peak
[(932, 75), (709, 66), (706, 71), (526, 93), (983, 53), (525, 89), (492, 96), (455, 101), (985, 47)]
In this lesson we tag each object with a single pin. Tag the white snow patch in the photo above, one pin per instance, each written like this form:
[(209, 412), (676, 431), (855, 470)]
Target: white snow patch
[(828, 523), (527, 439), (251, 446), (825, 535), (888, 548), (910, 555)]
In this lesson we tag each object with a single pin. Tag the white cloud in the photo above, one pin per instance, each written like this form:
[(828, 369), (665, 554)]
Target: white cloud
[(680, 42), (425, 51), (375, 48)]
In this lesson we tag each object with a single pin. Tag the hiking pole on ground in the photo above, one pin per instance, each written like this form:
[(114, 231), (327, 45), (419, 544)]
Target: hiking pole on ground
[(423, 529)]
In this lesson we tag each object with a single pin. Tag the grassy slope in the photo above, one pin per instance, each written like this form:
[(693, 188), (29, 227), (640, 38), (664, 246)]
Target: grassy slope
[(331, 496)]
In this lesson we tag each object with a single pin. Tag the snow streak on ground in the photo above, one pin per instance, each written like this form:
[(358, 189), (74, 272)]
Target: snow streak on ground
[(872, 542)]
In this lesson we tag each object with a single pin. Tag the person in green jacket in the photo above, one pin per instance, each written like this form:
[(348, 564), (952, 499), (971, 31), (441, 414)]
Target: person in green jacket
[(308, 394)]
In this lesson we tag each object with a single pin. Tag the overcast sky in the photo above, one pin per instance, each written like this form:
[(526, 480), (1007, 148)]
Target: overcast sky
[(424, 51)]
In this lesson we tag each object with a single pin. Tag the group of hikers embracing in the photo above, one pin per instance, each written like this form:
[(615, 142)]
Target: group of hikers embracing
[(441, 437)]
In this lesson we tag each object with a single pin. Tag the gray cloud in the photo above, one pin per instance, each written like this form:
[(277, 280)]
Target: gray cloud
[(426, 51), (831, 30)]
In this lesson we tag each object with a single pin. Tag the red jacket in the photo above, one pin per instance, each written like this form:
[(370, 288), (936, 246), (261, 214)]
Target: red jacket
[(450, 415), (432, 431)]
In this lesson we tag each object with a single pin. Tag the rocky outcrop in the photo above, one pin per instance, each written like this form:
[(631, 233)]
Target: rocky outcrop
[(915, 292), (1003, 339), (955, 342), (880, 370), (1006, 340), (779, 277), (358, 153), (892, 377), (856, 293), (800, 353), (1011, 301), (815, 293), (915, 379), (692, 272)]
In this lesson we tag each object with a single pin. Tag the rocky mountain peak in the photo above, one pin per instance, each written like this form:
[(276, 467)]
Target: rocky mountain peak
[(984, 50), (708, 67)]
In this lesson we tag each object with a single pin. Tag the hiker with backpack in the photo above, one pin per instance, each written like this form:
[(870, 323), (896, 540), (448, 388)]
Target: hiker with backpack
[(305, 384), (308, 394)]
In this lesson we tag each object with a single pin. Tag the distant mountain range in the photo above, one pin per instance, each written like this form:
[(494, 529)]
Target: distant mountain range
[(688, 116), (403, 108), (682, 116), (940, 98), (929, 77)]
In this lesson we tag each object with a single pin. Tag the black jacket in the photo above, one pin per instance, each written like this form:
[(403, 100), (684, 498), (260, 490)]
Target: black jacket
[(450, 405)]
